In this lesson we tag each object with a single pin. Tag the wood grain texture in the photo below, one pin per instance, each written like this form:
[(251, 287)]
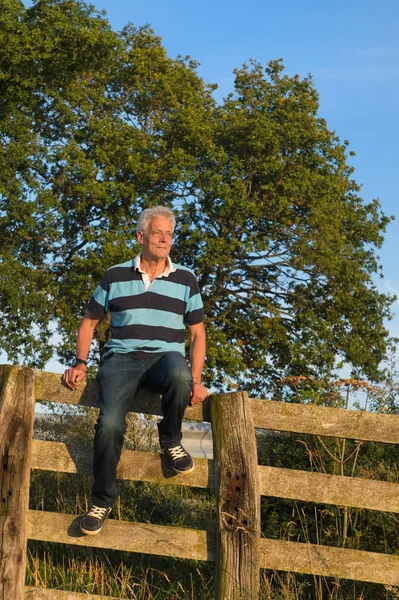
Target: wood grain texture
[(17, 408), (135, 466), (266, 414), (320, 420), (49, 388), (145, 538), (276, 482), (238, 498), (36, 593), (329, 489), (329, 562)]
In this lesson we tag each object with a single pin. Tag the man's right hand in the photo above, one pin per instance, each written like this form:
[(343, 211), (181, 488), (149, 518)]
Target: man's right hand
[(74, 375)]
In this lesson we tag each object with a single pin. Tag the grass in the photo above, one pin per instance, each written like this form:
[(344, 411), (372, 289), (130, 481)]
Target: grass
[(134, 577), (143, 577)]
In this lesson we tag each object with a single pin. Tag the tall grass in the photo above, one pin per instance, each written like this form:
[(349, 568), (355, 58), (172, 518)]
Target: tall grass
[(134, 577)]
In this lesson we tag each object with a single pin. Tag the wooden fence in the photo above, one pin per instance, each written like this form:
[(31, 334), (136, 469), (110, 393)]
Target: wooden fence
[(237, 548)]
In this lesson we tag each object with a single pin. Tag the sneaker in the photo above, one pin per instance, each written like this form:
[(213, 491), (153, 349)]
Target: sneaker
[(179, 460), (93, 521)]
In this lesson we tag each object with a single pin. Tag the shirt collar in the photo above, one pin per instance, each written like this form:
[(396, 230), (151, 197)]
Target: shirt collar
[(170, 268)]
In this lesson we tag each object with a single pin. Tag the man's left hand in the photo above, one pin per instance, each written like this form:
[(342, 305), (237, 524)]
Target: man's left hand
[(198, 393)]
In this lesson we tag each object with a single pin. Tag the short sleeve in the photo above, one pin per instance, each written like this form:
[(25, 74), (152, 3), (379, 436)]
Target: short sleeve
[(194, 307), (99, 304)]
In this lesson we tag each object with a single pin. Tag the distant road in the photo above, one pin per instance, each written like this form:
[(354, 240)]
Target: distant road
[(197, 439)]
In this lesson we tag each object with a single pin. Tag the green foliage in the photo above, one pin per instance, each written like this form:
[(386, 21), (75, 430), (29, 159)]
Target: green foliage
[(97, 124)]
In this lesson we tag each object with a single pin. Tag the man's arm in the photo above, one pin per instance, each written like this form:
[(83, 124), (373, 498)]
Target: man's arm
[(73, 375), (197, 359)]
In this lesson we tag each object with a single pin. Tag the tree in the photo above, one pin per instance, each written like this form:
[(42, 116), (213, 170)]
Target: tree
[(269, 215), (45, 55), (287, 246)]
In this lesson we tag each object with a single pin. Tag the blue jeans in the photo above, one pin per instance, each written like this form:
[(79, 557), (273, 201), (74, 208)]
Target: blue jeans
[(119, 378)]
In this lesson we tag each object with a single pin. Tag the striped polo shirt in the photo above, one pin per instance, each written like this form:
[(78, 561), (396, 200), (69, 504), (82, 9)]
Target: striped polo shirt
[(147, 319)]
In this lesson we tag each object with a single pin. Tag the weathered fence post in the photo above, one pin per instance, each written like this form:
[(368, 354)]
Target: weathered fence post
[(17, 409), (238, 498)]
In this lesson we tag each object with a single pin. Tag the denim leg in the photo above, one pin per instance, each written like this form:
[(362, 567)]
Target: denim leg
[(118, 378), (171, 377)]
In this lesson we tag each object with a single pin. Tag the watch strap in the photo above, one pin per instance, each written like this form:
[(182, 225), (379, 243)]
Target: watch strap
[(79, 361)]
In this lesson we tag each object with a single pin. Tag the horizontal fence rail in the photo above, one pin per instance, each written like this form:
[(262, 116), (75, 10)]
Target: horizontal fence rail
[(199, 545), (329, 422), (137, 466), (49, 388), (329, 561), (274, 481), (329, 489), (233, 474), (36, 593), (266, 414), (143, 538)]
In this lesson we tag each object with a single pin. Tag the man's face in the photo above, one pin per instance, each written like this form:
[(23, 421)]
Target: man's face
[(157, 240)]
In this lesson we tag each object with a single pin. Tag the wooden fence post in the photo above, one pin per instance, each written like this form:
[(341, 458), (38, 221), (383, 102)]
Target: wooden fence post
[(238, 498), (17, 409)]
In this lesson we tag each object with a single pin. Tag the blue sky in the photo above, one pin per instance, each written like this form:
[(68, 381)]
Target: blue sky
[(351, 48)]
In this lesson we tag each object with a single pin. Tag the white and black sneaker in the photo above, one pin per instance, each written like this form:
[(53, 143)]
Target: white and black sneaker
[(178, 459), (93, 521)]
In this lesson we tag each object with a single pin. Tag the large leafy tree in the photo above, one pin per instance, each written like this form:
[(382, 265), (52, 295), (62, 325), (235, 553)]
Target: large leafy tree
[(97, 125), (287, 245)]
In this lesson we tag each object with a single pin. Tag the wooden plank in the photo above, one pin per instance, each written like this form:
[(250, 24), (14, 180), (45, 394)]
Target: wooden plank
[(276, 482), (17, 409), (135, 466), (36, 593), (65, 458), (238, 498), (320, 420), (267, 414), (329, 489), (145, 538), (49, 388), (329, 561)]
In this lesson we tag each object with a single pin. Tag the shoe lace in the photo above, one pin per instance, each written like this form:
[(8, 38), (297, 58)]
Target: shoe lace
[(177, 452), (97, 512)]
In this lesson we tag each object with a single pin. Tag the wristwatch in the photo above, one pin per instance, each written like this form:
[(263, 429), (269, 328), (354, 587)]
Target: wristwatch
[(78, 361)]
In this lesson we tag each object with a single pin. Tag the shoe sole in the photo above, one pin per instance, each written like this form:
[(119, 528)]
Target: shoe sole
[(181, 472), (87, 532)]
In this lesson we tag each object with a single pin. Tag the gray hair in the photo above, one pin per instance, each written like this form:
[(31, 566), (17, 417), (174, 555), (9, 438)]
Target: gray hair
[(151, 213)]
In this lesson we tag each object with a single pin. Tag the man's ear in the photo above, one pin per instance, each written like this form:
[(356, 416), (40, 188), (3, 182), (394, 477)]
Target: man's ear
[(140, 237)]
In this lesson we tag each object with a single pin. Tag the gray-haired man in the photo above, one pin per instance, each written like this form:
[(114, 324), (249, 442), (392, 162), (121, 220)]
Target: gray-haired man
[(150, 301)]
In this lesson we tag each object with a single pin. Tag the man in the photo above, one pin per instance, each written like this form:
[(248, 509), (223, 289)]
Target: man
[(150, 300)]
